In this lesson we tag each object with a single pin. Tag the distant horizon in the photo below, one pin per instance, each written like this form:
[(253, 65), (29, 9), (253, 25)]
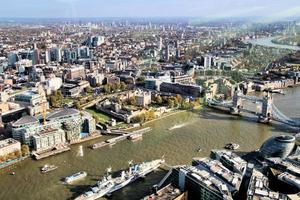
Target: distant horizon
[(270, 10), (252, 19)]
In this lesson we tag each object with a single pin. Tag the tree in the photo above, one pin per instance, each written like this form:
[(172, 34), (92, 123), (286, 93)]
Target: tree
[(2, 158), (185, 105), (132, 101), (89, 89), (25, 150), (77, 105), (11, 156), (158, 99), (170, 103), (118, 86), (123, 86), (107, 88), (176, 103), (18, 154), (179, 98), (140, 79)]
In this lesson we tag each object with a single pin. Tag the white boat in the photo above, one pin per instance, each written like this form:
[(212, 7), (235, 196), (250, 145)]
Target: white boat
[(75, 177), (232, 146), (48, 168)]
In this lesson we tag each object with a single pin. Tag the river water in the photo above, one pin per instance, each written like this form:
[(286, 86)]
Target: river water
[(267, 41), (188, 131)]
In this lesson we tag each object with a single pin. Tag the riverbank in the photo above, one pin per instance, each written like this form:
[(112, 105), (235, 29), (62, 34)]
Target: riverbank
[(12, 162), (267, 41), (287, 40)]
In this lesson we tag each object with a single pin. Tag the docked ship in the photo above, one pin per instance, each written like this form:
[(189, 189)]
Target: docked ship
[(102, 188), (48, 168), (109, 185), (135, 172), (75, 177)]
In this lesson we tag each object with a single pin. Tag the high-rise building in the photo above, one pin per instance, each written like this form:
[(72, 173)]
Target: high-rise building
[(167, 52), (47, 56), (36, 57), (160, 44), (207, 62), (12, 58)]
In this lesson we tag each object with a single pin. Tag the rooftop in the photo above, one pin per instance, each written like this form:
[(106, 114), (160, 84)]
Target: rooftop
[(26, 120), (62, 113), (7, 142)]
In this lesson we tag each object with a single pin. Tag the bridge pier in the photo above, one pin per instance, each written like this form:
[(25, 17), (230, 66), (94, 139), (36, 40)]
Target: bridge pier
[(237, 103), (266, 112)]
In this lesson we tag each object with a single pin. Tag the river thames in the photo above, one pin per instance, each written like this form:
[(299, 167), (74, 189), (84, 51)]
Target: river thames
[(177, 137)]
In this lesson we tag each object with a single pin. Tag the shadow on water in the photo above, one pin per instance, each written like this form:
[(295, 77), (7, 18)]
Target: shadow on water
[(144, 186), (140, 187), (77, 190), (135, 190)]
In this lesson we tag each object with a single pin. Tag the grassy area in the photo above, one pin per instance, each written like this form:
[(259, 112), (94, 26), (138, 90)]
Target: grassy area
[(67, 101), (100, 116)]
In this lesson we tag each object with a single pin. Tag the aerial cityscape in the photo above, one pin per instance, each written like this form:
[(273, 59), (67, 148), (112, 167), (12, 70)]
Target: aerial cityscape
[(150, 100)]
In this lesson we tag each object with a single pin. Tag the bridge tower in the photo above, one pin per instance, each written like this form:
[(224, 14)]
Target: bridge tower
[(266, 112), (237, 103)]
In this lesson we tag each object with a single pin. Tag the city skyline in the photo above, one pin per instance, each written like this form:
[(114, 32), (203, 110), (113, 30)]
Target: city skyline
[(216, 9)]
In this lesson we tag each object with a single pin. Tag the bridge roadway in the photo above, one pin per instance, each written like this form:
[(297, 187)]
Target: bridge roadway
[(277, 115)]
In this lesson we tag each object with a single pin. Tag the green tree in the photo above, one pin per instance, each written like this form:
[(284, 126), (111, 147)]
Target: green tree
[(107, 88), (140, 79), (176, 103), (179, 98), (25, 150), (89, 89), (77, 105), (132, 101), (123, 86), (118, 86), (170, 103), (158, 99)]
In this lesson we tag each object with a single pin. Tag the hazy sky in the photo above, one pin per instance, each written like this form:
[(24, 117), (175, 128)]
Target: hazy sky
[(138, 8)]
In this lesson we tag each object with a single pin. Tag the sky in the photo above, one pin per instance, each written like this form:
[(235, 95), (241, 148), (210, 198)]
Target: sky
[(213, 9)]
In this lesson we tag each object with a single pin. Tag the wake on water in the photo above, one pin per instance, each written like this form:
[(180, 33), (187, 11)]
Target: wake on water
[(177, 126)]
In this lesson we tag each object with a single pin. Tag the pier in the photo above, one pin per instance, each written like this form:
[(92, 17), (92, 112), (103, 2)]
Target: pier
[(45, 154), (122, 137)]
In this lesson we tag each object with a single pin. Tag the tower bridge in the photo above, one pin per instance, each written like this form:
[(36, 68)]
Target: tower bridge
[(266, 113)]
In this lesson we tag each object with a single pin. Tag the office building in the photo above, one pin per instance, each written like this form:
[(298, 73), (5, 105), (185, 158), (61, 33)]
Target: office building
[(278, 146), (48, 139), (8, 146)]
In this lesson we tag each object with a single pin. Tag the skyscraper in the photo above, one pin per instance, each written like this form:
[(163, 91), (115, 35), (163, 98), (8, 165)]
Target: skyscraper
[(168, 52)]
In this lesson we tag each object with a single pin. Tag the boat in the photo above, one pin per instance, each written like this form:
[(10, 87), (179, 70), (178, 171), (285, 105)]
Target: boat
[(135, 137), (99, 190), (48, 168), (232, 146), (108, 185), (135, 172), (75, 177)]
